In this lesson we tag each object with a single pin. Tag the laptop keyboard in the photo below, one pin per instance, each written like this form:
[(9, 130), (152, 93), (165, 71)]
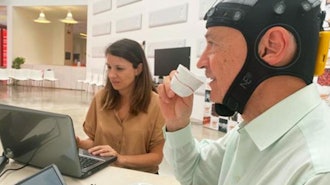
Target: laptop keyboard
[(86, 161)]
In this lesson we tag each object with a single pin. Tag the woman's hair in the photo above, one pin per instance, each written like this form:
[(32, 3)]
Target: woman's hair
[(143, 85)]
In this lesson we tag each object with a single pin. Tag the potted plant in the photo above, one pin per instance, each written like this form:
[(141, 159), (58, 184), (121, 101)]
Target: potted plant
[(17, 62)]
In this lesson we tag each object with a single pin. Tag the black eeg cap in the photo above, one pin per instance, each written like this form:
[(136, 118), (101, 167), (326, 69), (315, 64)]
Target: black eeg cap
[(303, 18)]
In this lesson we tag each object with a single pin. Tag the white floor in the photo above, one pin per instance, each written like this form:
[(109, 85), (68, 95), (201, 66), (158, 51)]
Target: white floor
[(74, 103)]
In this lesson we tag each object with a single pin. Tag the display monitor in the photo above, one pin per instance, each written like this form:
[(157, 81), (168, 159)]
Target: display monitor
[(168, 59)]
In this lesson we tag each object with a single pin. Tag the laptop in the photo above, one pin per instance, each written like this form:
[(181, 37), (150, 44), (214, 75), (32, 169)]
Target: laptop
[(40, 138), (49, 175)]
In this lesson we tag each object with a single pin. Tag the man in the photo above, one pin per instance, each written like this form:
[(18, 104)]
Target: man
[(260, 57)]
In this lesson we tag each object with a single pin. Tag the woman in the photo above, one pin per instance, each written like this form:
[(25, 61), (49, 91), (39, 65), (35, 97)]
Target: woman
[(124, 118)]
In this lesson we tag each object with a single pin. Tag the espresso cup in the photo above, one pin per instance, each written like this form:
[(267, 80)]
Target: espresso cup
[(184, 82)]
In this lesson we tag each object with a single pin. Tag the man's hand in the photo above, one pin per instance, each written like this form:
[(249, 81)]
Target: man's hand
[(176, 110)]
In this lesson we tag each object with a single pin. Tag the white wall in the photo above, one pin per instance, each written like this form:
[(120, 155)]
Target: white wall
[(161, 24), (35, 37), (37, 43)]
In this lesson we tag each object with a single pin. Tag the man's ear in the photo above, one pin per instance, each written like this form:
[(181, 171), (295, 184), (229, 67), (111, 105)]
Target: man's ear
[(276, 46)]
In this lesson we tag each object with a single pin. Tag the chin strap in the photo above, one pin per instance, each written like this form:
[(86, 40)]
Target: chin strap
[(223, 110)]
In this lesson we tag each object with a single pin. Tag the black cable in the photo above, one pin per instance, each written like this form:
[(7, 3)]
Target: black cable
[(3, 162), (27, 163), (13, 169)]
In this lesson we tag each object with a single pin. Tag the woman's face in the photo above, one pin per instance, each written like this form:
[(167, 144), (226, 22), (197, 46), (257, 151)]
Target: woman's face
[(121, 73)]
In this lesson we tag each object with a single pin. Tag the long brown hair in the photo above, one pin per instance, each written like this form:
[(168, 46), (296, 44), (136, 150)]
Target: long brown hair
[(143, 85)]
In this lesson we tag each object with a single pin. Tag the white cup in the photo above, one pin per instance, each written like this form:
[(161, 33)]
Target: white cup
[(184, 82)]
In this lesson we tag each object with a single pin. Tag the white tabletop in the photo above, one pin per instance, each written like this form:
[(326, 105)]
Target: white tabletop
[(108, 175)]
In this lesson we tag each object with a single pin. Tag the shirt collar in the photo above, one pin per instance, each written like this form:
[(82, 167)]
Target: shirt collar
[(270, 126)]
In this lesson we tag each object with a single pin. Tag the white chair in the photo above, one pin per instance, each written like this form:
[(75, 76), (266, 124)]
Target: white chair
[(4, 75), (18, 75), (87, 80), (93, 82), (36, 76), (102, 81), (49, 76)]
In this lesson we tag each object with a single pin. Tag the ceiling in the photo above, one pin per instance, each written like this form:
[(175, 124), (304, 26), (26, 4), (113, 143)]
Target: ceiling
[(55, 13)]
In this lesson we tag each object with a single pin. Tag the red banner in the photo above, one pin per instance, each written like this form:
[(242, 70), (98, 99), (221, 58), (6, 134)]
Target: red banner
[(3, 45)]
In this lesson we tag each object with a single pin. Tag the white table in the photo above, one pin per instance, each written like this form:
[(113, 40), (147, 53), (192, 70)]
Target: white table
[(107, 176)]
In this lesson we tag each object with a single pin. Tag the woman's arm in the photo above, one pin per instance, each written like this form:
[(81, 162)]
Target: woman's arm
[(153, 158)]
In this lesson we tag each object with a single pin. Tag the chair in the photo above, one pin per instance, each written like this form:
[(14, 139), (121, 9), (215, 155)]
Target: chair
[(18, 75), (86, 81), (49, 76), (93, 82), (102, 81), (36, 76), (4, 75)]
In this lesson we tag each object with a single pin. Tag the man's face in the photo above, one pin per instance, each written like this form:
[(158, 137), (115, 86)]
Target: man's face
[(223, 58)]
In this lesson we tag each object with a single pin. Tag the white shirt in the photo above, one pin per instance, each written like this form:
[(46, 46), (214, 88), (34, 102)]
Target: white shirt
[(289, 144)]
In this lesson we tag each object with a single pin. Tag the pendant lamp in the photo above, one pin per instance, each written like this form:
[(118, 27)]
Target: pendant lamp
[(42, 18), (69, 19)]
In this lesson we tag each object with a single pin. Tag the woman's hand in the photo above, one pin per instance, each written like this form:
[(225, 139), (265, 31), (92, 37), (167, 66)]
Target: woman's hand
[(78, 142), (103, 150), (84, 143)]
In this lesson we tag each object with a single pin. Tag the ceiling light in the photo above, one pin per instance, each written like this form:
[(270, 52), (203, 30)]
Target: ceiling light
[(69, 19), (41, 18), (83, 35)]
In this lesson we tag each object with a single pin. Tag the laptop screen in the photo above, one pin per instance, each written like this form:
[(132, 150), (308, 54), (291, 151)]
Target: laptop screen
[(39, 138), (48, 175)]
